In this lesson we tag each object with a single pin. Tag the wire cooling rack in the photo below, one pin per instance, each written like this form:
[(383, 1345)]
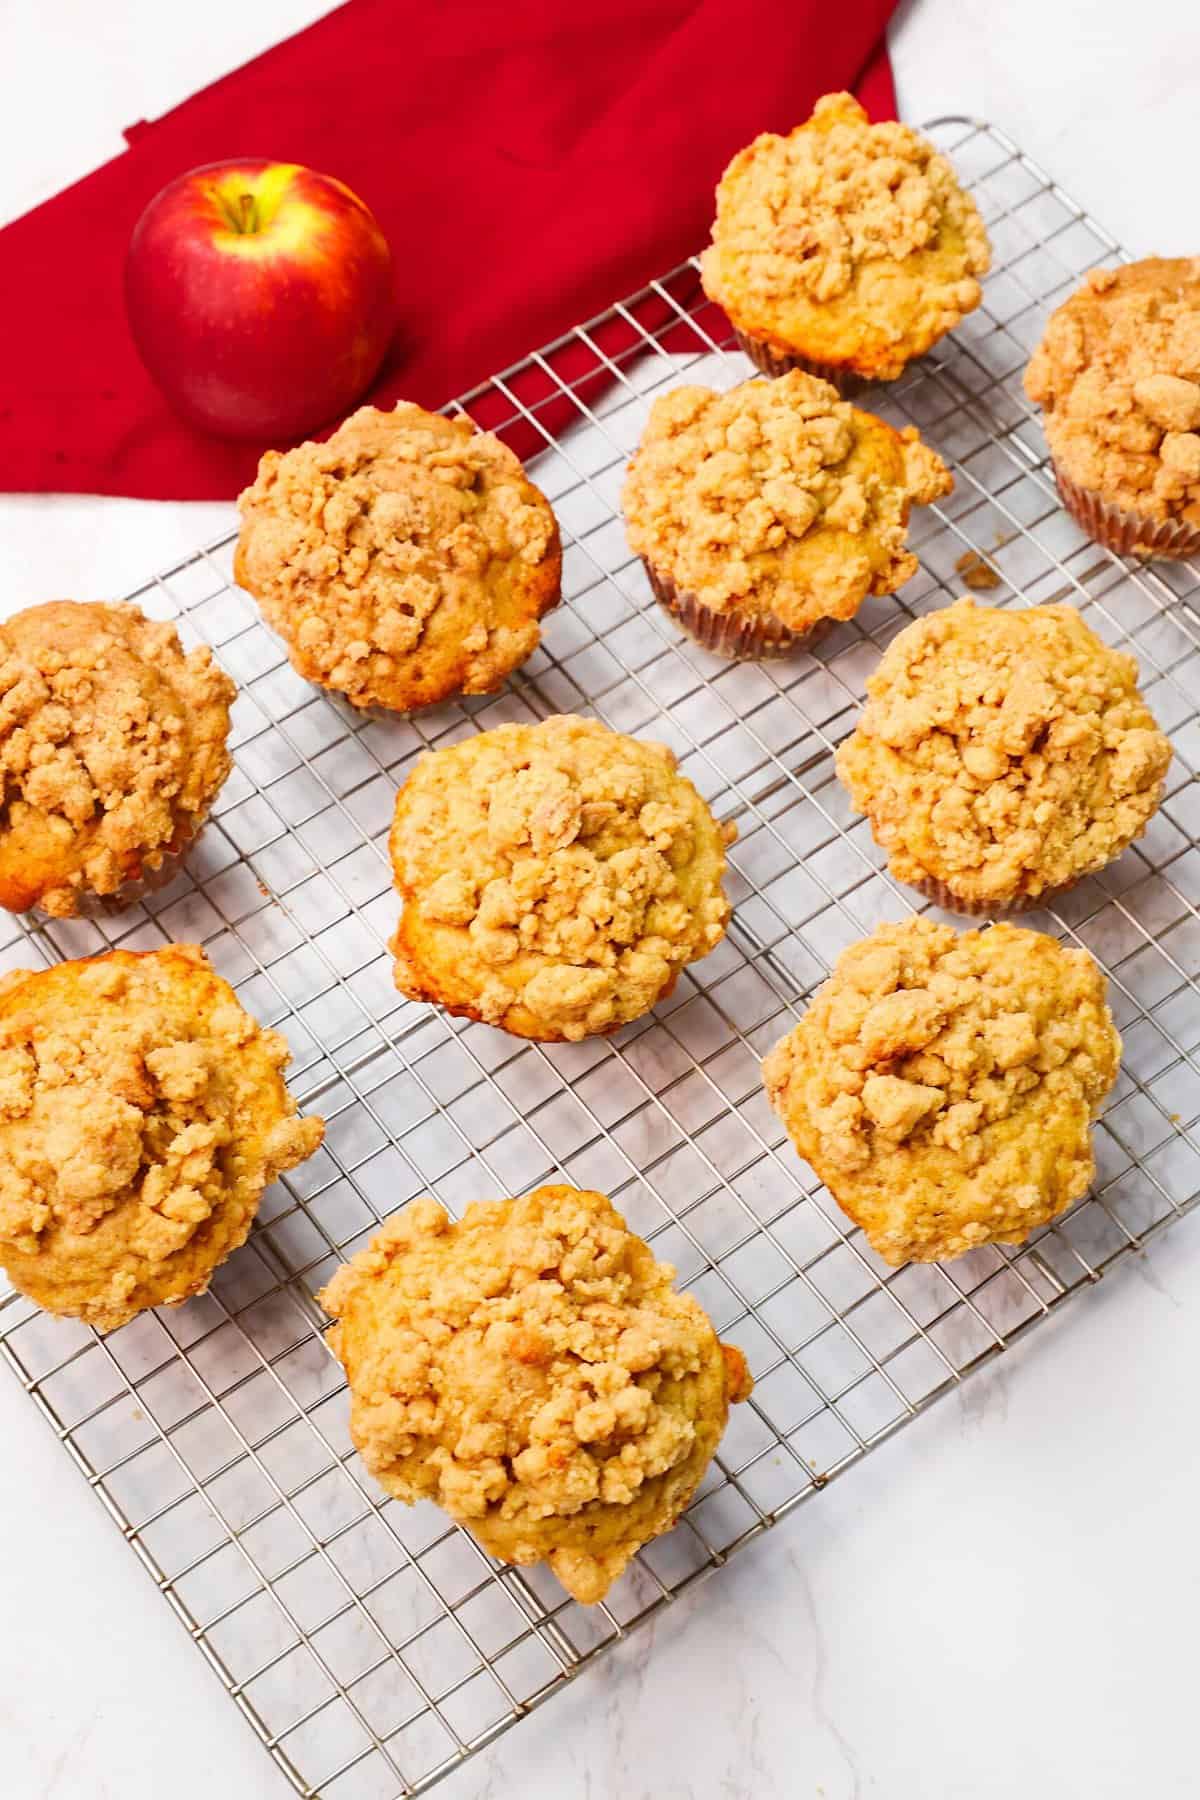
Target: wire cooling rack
[(373, 1647)]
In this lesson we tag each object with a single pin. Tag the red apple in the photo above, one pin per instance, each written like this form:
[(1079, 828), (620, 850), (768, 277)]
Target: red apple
[(260, 297)]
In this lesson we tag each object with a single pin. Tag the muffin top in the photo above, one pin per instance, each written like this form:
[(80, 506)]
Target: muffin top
[(943, 1085), (555, 878), (533, 1371), (1004, 752), (1117, 376), (405, 559), (142, 1113), (777, 497), (112, 748), (850, 242)]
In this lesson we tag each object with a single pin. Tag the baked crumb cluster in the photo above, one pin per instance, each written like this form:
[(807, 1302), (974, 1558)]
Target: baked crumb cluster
[(555, 877), (142, 1114), (404, 559), (1118, 377), (1004, 752), (943, 1085), (112, 748), (864, 224), (777, 496), (533, 1371)]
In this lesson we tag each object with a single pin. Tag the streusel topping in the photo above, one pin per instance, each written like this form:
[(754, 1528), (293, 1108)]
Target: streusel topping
[(555, 877), (778, 497), (943, 1084), (533, 1371), (404, 559), (1004, 752), (142, 1113), (1117, 375), (849, 240), (112, 746)]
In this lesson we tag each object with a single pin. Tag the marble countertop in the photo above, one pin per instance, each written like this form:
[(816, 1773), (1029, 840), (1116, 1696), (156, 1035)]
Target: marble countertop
[(1000, 1599)]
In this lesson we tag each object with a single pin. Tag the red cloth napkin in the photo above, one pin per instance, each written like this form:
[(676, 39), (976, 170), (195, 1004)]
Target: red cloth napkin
[(529, 163)]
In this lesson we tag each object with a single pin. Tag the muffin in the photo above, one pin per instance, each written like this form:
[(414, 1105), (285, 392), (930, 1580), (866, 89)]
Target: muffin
[(1117, 376), (112, 751), (943, 1085), (1003, 755), (763, 513), (142, 1114), (534, 1372), (404, 560), (845, 248), (555, 878)]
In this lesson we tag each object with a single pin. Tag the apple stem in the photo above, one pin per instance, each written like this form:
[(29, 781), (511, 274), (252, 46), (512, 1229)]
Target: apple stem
[(247, 214)]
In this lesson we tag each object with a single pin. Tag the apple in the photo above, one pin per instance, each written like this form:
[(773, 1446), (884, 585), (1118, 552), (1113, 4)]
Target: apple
[(260, 297)]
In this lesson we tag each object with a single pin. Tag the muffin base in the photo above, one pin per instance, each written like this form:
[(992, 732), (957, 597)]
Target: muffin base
[(1128, 533), (429, 996), (746, 639), (949, 901), (89, 905), (772, 361)]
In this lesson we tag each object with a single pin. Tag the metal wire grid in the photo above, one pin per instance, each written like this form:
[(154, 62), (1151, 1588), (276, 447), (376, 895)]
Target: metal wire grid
[(373, 1647)]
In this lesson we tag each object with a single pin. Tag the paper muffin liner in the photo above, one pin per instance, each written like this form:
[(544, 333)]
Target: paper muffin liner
[(772, 361), (944, 896), (104, 906), (1128, 533), (745, 637)]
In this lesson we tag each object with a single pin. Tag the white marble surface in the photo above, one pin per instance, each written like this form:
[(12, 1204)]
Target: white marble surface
[(998, 1601)]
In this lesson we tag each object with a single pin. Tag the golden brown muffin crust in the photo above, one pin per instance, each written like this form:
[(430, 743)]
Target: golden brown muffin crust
[(112, 749), (142, 1114), (533, 1371), (777, 497), (1004, 752), (405, 559), (1117, 376), (555, 878), (850, 242), (943, 1086)]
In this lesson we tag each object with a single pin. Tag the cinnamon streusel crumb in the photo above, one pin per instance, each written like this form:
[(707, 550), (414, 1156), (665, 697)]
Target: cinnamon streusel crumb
[(142, 1114), (1117, 375), (534, 1372), (405, 559), (112, 749), (849, 242), (777, 497), (555, 878), (1004, 752), (943, 1086)]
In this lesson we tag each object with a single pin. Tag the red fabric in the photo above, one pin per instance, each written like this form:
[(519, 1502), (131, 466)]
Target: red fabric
[(529, 163)]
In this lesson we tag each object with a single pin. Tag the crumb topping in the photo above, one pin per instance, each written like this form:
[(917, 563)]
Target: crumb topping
[(851, 241), (142, 1114), (777, 497), (405, 559), (112, 749), (555, 877), (1004, 752), (1117, 376), (534, 1372), (943, 1085)]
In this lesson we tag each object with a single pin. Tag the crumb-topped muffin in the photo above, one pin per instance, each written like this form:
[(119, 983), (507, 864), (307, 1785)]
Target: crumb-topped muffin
[(112, 751), (142, 1114), (845, 248), (1117, 375), (943, 1086), (534, 1372), (1003, 754), (405, 559), (763, 512), (555, 878)]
